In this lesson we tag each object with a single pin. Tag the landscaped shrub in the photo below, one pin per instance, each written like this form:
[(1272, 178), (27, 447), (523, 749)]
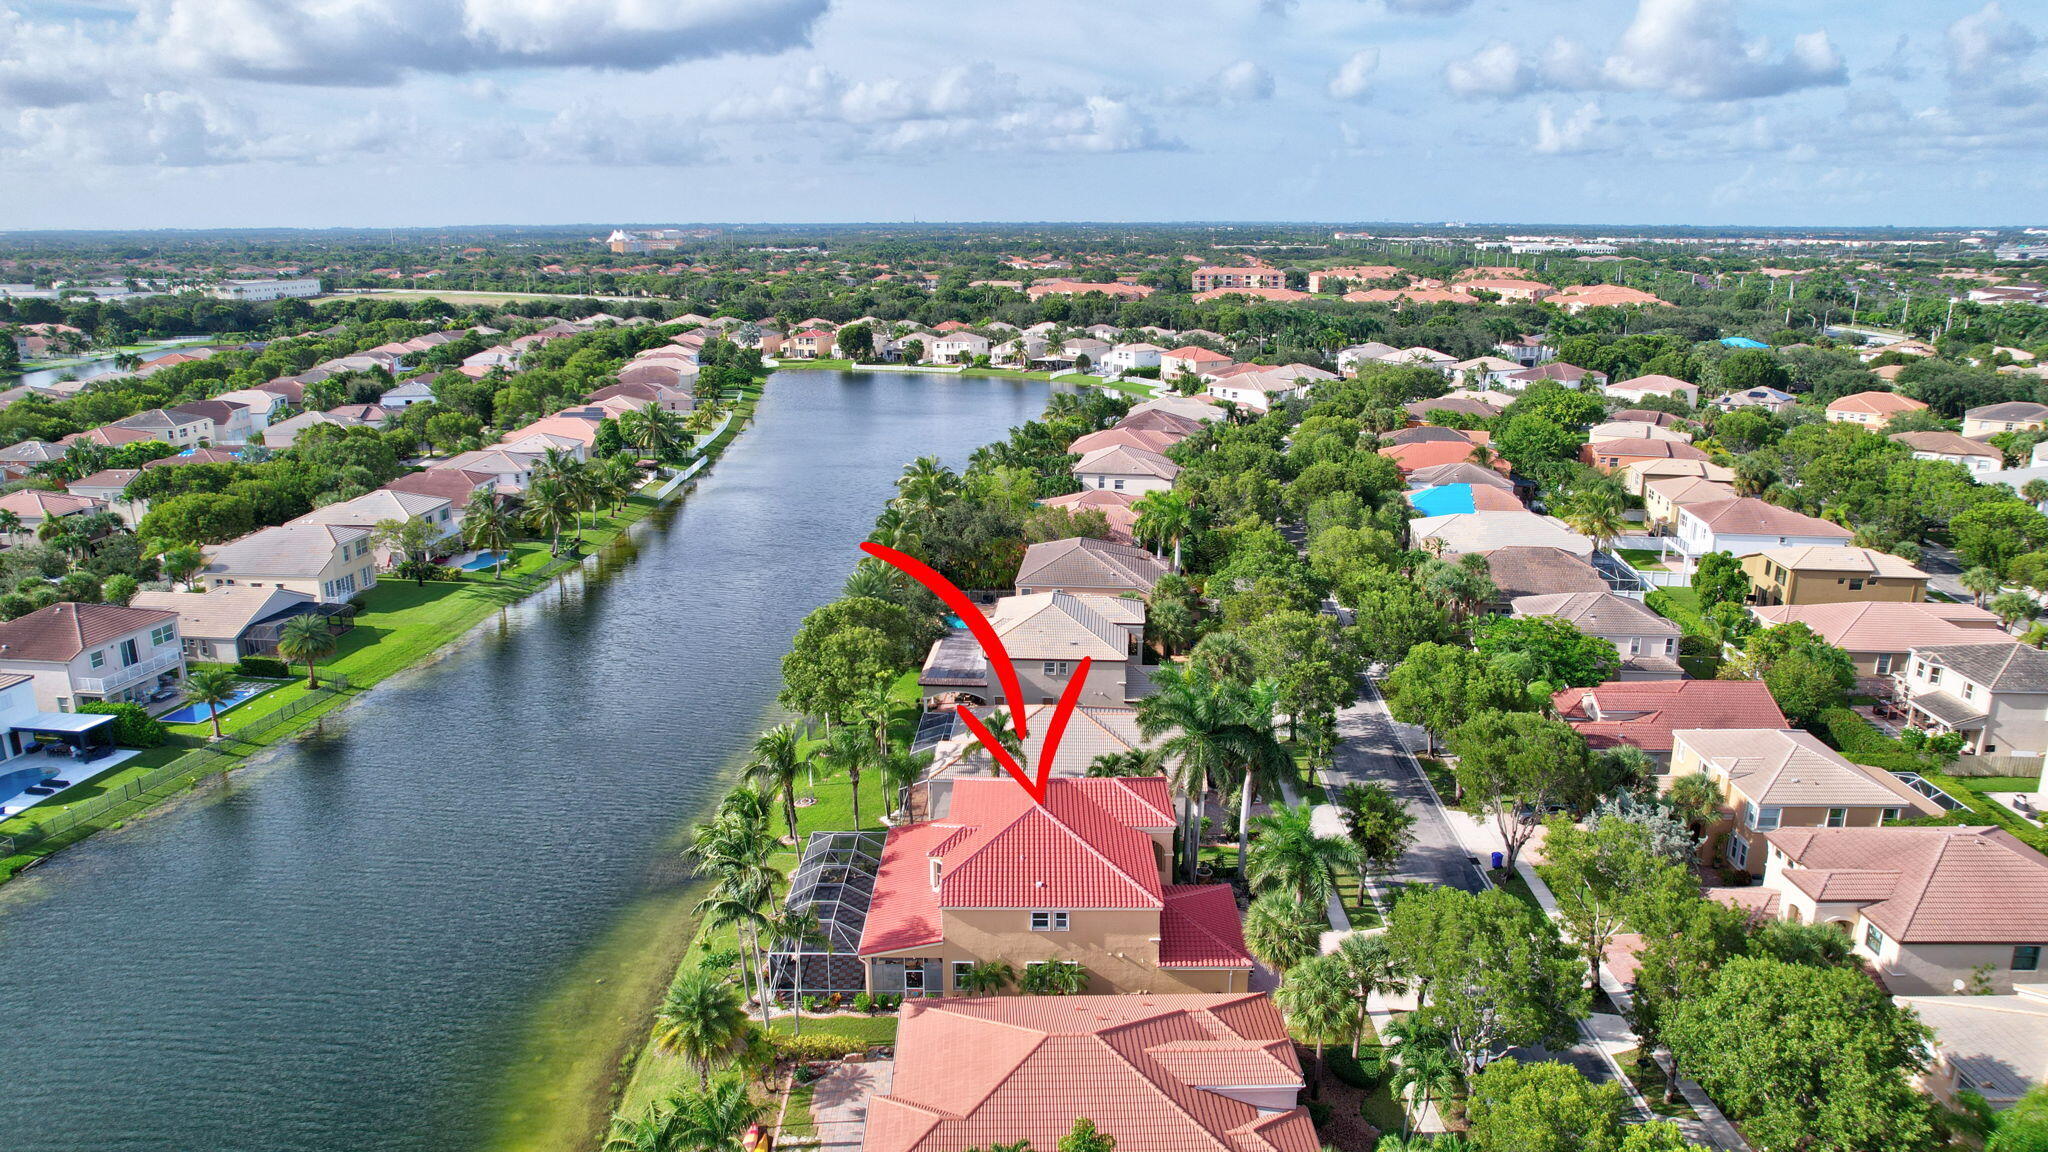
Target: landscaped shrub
[(1850, 733), (862, 1002), (811, 1046), (266, 667), (133, 726), (1366, 1071)]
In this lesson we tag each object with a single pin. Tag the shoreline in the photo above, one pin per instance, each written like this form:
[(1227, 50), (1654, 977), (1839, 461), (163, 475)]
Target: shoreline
[(480, 600)]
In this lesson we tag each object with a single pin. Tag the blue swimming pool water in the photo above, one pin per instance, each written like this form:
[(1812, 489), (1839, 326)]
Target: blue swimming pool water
[(481, 562), (195, 713)]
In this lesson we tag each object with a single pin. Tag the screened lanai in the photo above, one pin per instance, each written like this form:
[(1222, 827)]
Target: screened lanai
[(834, 882)]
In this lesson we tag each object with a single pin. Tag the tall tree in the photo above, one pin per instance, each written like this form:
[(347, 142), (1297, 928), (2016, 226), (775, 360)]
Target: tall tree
[(1518, 764), (702, 1020), (1490, 969)]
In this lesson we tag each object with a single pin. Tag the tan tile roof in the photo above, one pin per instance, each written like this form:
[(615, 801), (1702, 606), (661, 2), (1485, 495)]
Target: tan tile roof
[(222, 613), (1947, 444), (1949, 885), (1684, 490), (61, 631), (1085, 562), (35, 504), (1881, 403), (1123, 460), (1538, 571), (1749, 516), (1999, 1044), (1160, 1073), (1487, 531), (1853, 560), (295, 549), (1148, 439), (1890, 626), (1597, 613), (1651, 470), (1091, 732), (1794, 769), (1066, 625), (1647, 449)]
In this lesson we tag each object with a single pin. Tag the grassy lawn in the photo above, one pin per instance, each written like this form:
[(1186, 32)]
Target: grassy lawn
[(1974, 792), (1510, 880), (1357, 905), (110, 780), (1642, 558), (878, 1029), (1650, 1080), (797, 1122), (1681, 605)]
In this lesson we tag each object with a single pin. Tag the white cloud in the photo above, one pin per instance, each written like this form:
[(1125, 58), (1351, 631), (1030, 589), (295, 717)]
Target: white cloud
[(1427, 7), (1986, 41), (46, 65), (1684, 49), (1575, 133), (1245, 82), (378, 42), (1353, 81)]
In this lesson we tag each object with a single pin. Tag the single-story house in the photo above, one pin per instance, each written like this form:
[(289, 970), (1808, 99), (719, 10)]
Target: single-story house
[(222, 625), (1872, 409)]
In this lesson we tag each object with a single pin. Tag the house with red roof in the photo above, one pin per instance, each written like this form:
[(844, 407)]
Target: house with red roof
[(1871, 409), (1084, 877), (1158, 1073), (1644, 713), (1190, 360)]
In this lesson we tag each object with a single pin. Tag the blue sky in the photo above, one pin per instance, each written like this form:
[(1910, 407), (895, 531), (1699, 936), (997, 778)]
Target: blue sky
[(204, 113)]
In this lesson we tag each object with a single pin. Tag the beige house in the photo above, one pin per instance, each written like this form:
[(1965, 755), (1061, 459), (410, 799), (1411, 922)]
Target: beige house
[(1047, 635), (1122, 468), (1085, 564), (1872, 409), (1771, 779), (374, 508), (1646, 642), (222, 625), (109, 487), (1637, 430), (1930, 909), (330, 562), (1662, 499), (81, 653), (1878, 634), (2010, 416), (1634, 477), (1084, 877), (1805, 574), (1995, 694), (1645, 387), (1972, 456)]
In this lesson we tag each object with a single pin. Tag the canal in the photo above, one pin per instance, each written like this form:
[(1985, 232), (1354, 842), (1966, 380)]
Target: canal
[(361, 943)]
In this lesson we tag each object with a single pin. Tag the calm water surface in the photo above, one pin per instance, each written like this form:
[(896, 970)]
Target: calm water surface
[(337, 953)]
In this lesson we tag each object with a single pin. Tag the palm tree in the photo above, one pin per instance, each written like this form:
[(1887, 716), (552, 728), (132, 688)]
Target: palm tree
[(1317, 1001), (211, 688), (615, 477), (848, 749), (307, 639), (2011, 607), (657, 432), (1055, 978), (987, 977), (1598, 511), (1981, 582), (701, 1019), (1136, 762), (900, 771), (777, 759), (709, 1120), (1280, 931), (487, 526), (1429, 1070), (1165, 517), (1212, 737), (549, 506), (1291, 860), (794, 928), (1369, 966), (10, 524), (925, 487)]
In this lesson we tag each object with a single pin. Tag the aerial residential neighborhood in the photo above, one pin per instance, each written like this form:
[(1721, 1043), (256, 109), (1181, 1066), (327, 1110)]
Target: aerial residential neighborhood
[(831, 576)]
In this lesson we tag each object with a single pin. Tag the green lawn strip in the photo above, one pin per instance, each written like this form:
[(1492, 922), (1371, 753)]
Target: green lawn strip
[(1650, 1080), (1445, 782), (1971, 790), (1510, 881), (1357, 905), (110, 781), (1681, 605), (1642, 558), (797, 1121), (877, 1029)]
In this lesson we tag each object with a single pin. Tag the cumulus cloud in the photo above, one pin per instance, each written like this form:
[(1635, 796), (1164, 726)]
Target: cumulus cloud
[(1353, 80), (1986, 41), (1684, 49), (46, 65), (976, 108), (378, 42), (1244, 82), (1574, 133)]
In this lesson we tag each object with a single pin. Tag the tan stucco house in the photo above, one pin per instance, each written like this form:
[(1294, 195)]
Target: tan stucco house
[(78, 653), (1809, 574)]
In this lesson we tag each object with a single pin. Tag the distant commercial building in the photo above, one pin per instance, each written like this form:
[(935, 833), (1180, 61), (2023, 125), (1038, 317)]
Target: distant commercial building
[(252, 291)]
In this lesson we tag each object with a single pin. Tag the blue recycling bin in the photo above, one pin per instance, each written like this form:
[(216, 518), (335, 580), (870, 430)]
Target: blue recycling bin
[(1498, 860)]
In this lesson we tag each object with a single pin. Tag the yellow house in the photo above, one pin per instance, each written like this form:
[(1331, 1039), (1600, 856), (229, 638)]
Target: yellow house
[(1805, 574)]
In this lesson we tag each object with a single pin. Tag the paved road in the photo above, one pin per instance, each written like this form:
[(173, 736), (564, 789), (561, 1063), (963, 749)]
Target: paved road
[(1943, 567), (1370, 750)]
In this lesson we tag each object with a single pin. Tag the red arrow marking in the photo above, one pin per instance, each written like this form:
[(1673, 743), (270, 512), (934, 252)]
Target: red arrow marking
[(1006, 673)]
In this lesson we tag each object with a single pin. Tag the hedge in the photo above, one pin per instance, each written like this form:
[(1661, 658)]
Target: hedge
[(267, 667), (813, 1046), (1849, 732), (133, 726), (1366, 1071)]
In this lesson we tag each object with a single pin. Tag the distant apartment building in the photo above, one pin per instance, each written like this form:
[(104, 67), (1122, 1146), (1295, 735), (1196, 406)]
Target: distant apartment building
[(1214, 278)]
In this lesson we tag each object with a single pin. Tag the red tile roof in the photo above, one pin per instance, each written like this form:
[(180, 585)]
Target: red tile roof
[(1644, 713), (1960, 885), (61, 631), (1200, 928), (1158, 1073), (1086, 847)]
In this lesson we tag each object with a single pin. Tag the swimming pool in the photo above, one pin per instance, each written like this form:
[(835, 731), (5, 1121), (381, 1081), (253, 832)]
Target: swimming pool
[(483, 561), (199, 713)]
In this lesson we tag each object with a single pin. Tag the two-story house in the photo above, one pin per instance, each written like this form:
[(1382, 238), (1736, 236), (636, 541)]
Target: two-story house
[(80, 653), (1878, 634), (1084, 877), (178, 429), (1085, 564), (2008, 416), (1646, 642), (1122, 468), (1047, 635), (330, 562), (1932, 910), (1973, 456), (1770, 779), (1872, 409), (1995, 694), (1745, 525), (385, 504), (1610, 455), (1805, 574), (1663, 498)]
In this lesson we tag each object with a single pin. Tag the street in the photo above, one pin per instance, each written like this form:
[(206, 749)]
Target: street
[(1369, 751)]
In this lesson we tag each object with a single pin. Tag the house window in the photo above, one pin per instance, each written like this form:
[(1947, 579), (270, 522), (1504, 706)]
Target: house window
[(960, 968), (1838, 817), (1635, 645), (1888, 815), (1048, 921), (1738, 851), (1119, 484), (913, 977), (1763, 819), (1055, 668), (1969, 690), (161, 636), (1884, 664), (2026, 958), (131, 653), (1856, 584), (98, 659), (1873, 940), (1671, 645)]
